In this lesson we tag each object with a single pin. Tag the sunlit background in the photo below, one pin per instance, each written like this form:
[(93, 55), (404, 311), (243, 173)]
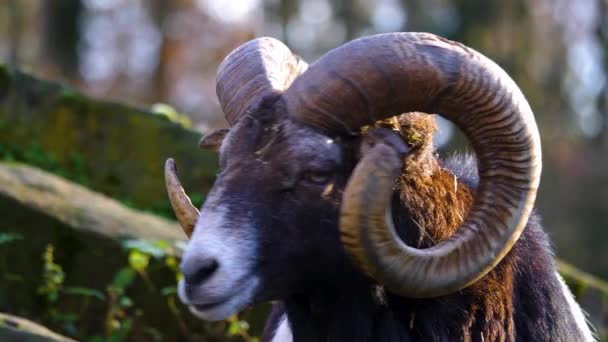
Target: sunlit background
[(147, 52), (151, 51)]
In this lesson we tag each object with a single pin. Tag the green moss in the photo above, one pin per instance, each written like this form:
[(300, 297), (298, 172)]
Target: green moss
[(68, 93), (33, 154), (76, 170), (171, 114), (70, 98)]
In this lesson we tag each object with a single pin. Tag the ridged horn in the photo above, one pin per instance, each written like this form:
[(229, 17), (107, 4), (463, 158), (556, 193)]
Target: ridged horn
[(185, 212), (260, 67), (377, 77)]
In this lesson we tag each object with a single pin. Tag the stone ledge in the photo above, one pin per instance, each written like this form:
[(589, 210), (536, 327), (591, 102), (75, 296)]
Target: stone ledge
[(13, 328)]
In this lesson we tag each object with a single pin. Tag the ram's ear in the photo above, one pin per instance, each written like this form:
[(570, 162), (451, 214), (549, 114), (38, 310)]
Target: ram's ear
[(213, 140)]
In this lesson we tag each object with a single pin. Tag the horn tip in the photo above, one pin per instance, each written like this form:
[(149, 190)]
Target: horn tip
[(170, 169)]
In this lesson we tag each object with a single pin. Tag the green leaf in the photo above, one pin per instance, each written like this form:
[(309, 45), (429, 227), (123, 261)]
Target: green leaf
[(123, 278), (243, 325), (85, 292), (172, 263), (145, 247), (9, 237), (121, 333), (138, 260), (162, 244), (234, 328), (126, 302), (169, 290)]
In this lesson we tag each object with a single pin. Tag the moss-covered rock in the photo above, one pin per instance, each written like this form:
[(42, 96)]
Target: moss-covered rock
[(112, 148), (74, 206)]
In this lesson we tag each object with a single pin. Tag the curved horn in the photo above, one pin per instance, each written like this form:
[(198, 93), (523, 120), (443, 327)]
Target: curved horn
[(185, 212), (257, 68), (381, 76)]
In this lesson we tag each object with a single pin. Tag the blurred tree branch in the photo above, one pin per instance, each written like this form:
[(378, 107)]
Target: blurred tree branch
[(61, 34)]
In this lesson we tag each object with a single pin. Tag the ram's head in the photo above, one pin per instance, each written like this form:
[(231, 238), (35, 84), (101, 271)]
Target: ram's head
[(304, 190)]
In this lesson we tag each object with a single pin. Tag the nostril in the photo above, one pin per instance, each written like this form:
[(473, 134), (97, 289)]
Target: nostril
[(196, 273)]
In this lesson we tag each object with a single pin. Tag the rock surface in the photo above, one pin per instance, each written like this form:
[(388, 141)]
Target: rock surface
[(77, 207), (13, 328)]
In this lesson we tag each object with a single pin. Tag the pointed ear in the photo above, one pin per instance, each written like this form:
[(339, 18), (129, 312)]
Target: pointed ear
[(213, 140)]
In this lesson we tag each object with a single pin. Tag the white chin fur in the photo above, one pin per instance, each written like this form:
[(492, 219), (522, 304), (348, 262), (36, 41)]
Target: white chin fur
[(231, 241), (233, 304)]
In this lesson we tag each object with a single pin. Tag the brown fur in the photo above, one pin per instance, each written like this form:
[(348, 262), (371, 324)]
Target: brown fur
[(438, 202), (436, 199)]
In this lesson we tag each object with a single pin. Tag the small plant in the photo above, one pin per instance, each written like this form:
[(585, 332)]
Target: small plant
[(240, 328), (52, 276), (122, 313), (140, 253), (118, 323), (52, 287)]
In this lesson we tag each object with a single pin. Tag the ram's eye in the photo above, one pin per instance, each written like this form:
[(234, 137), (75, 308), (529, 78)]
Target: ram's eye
[(317, 177)]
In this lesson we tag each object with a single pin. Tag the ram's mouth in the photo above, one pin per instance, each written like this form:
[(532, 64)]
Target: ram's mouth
[(210, 306), (221, 307)]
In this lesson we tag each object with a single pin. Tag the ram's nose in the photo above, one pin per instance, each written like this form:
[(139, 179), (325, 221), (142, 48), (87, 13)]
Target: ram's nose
[(197, 270)]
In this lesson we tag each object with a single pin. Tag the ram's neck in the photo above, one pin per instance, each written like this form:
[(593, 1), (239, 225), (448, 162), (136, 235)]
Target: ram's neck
[(346, 315)]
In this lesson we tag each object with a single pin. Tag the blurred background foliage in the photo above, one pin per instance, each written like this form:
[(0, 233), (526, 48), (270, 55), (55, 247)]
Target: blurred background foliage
[(157, 51)]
